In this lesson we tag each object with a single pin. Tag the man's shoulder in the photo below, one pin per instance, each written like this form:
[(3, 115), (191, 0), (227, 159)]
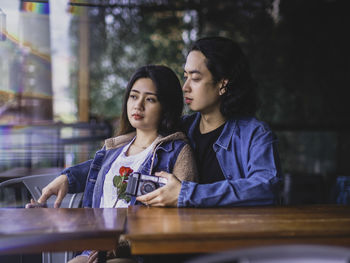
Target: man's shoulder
[(247, 128), (250, 123)]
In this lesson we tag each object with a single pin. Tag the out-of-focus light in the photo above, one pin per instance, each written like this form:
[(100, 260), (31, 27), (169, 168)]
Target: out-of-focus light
[(2, 25)]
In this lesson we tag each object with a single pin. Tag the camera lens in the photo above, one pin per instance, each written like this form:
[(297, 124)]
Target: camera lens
[(147, 187)]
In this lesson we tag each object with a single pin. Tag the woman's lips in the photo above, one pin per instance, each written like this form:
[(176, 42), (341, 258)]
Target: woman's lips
[(137, 116), (188, 100)]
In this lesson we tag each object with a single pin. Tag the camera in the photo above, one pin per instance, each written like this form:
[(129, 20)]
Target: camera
[(140, 184)]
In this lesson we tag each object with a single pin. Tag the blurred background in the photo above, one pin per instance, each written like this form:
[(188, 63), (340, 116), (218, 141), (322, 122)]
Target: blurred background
[(64, 66)]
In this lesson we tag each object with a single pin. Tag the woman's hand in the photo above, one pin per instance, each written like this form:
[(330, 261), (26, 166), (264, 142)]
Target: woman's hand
[(35, 204), (163, 196), (58, 187)]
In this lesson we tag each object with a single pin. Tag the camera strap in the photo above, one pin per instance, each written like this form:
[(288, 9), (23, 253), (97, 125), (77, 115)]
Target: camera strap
[(133, 200)]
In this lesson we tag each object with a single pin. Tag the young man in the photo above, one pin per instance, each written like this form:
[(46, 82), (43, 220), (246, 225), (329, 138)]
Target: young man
[(237, 157)]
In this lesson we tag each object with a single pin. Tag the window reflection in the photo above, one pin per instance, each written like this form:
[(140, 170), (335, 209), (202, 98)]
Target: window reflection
[(64, 65), (26, 63), (39, 122)]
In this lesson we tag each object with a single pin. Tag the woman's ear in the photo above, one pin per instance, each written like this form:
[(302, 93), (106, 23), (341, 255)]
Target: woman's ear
[(223, 87)]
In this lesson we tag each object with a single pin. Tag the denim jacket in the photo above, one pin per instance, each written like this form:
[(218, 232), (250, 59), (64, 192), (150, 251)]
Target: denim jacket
[(247, 154), (167, 153)]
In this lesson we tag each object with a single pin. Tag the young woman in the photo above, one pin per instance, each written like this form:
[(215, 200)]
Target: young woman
[(148, 141), (237, 158)]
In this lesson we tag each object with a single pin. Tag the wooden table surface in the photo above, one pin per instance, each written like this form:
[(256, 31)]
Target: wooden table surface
[(64, 229), (193, 230)]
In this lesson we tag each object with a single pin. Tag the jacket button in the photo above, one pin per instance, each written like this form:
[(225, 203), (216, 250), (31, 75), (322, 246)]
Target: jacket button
[(229, 177)]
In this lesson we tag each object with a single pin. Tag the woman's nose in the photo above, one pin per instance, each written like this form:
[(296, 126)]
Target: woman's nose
[(139, 104)]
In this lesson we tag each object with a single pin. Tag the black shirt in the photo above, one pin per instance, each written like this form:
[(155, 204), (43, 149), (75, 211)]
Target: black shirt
[(208, 166)]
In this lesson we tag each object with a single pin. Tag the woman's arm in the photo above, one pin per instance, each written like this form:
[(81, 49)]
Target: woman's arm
[(185, 168), (77, 176), (58, 187), (72, 180)]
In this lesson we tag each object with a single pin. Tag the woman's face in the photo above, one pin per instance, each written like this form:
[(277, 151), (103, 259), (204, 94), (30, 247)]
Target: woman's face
[(144, 109), (200, 92)]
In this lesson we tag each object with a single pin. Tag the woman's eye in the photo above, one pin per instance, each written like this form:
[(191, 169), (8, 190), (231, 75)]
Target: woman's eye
[(196, 80), (151, 99), (132, 96)]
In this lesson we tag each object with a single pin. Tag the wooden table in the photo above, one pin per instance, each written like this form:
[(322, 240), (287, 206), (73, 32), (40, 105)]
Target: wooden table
[(63, 229), (188, 230)]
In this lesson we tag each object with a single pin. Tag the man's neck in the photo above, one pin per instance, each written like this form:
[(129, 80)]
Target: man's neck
[(211, 121)]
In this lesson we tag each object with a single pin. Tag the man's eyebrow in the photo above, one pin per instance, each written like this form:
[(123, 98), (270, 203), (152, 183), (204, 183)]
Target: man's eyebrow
[(192, 71)]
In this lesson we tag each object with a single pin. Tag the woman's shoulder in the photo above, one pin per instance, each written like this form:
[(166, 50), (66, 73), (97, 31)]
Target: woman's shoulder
[(171, 138), (119, 141)]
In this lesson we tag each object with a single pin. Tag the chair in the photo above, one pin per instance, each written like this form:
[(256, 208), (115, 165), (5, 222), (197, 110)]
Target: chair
[(280, 254), (304, 189), (340, 193), (34, 184)]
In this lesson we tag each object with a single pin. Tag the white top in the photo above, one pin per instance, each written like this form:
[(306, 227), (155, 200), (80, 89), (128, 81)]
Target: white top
[(109, 195)]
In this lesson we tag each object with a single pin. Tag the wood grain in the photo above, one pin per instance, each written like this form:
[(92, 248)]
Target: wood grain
[(193, 230), (63, 229)]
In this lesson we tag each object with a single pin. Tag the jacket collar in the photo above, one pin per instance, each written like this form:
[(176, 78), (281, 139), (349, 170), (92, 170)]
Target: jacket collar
[(225, 137)]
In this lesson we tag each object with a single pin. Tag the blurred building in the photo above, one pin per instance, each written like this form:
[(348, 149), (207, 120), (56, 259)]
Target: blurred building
[(25, 68)]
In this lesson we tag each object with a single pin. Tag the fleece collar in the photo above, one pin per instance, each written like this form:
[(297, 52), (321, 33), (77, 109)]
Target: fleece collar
[(122, 140)]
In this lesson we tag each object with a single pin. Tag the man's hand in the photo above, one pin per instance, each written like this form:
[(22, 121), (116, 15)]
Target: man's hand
[(166, 195), (58, 187), (93, 257)]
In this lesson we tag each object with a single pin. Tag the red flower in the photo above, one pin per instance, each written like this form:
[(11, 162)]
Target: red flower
[(125, 171), (120, 182)]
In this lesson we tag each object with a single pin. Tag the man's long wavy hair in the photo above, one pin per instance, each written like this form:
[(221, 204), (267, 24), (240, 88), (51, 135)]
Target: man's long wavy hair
[(226, 60)]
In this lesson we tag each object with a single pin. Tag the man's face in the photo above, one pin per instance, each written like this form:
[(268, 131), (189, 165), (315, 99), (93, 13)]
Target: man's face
[(200, 92)]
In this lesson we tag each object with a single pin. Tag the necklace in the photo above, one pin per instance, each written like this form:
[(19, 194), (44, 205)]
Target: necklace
[(140, 147), (143, 147)]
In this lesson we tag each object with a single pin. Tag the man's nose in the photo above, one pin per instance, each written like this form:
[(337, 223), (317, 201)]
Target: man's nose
[(186, 86)]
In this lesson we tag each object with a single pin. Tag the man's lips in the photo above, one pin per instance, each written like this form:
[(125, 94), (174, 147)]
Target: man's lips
[(188, 100)]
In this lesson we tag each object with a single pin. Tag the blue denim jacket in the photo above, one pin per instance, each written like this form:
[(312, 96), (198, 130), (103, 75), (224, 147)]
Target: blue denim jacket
[(247, 154), (90, 175)]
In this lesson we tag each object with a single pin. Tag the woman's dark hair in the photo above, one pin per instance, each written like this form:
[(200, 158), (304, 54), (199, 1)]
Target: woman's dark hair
[(226, 60), (169, 94)]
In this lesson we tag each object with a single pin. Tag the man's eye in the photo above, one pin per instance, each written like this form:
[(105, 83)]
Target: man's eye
[(196, 80)]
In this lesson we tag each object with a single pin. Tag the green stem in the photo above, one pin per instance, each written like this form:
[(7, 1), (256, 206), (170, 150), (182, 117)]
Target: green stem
[(116, 201)]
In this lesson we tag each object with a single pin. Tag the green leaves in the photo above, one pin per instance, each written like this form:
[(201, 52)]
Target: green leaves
[(119, 181)]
